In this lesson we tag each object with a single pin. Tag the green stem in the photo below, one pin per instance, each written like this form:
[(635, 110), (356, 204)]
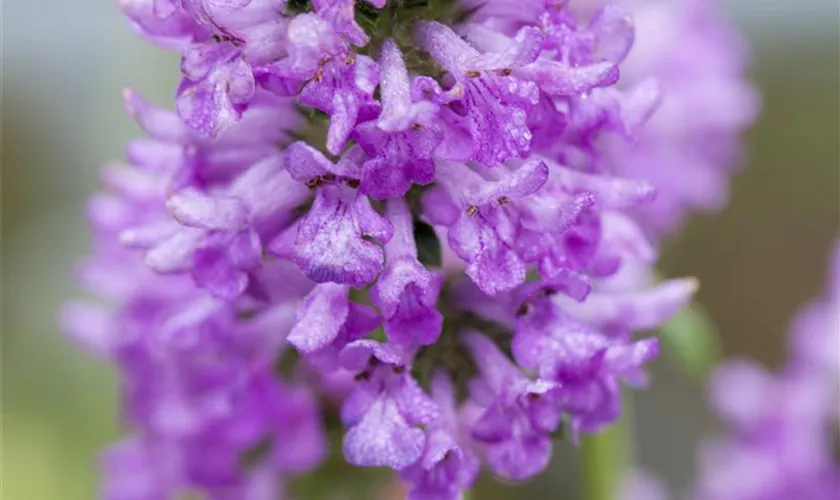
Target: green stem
[(606, 457)]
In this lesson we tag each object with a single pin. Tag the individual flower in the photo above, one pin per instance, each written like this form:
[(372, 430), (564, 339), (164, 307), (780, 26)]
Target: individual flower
[(494, 102), (407, 292), (218, 81), (325, 74), (383, 412), (482, 228), (339, 240), (520, 414), (402, 141)]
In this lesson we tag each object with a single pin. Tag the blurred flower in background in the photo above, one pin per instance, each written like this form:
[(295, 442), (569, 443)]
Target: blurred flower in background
[(782, 425), (63, 73)]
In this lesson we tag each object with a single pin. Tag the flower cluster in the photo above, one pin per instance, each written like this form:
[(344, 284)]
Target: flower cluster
[(784, 425), (425, 221), (705, 104)]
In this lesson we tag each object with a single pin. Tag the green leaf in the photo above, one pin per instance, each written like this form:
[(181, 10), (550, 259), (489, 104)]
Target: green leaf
[(367, 16), (691, 340), (298, 6), (428, 246)]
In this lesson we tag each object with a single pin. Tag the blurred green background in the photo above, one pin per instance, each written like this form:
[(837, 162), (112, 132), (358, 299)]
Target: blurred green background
[(63, 66)]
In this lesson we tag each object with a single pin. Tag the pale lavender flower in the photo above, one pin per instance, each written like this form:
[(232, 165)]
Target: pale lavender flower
[(402, 141), (406, 292), (705, 104), (386, 408), (782, 424), (448, 465), (641, 485), (519, 416)]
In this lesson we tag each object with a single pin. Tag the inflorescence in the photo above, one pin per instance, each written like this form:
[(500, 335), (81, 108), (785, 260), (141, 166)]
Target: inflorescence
[(431, 223)]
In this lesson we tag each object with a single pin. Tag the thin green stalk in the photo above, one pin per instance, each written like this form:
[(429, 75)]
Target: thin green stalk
[(606, 457)]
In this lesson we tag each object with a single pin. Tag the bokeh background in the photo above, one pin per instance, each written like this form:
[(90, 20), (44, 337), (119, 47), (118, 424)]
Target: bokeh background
[(63, 66)]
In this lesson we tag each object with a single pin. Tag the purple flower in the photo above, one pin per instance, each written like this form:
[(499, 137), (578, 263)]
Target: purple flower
[(780, 445), (815, 341), (575, 75), (707, 104), (139, 470), (160, 22), (217, 88), (619, 312), (219, 240), (640, 485), (482, 228), (585, 364), (327, 321), (407, 292), (341, 15), (402, 140), (339, 240), (520, 413), (494, 102), (288, 416), (326, 73), (230, 227), (448, 466), (195, 392), (262, 483), (219, 81), (385, 407), (185, 158), (369, 185)]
